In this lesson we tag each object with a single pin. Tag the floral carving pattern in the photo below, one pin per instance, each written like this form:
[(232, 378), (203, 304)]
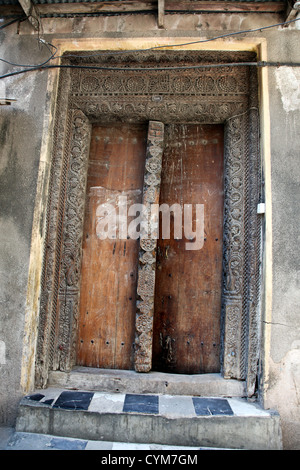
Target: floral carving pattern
[(147, 258)]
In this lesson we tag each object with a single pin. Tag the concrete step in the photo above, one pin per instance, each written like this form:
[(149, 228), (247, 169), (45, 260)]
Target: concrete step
[(129, 381), (167, 420), (34, 441)]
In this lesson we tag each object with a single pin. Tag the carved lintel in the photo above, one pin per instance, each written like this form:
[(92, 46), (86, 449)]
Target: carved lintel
[(148, 245)]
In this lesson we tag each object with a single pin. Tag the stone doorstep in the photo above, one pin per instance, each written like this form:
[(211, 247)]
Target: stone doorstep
[(232, 423), (128, 381)]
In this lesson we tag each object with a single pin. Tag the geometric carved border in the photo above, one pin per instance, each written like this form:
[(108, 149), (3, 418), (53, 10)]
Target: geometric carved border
[(225, 95)]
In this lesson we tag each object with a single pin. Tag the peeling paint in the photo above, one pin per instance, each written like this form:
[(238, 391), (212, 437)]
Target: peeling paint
[(288, 83)]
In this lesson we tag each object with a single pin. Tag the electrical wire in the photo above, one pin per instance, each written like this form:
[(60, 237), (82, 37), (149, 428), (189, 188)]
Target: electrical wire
[(20, 18), (43, 66), (151, 48), (42, 41), (156, 69)]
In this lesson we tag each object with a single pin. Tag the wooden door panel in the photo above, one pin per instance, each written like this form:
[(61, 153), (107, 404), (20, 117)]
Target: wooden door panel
[(186, 333), (109, 267)]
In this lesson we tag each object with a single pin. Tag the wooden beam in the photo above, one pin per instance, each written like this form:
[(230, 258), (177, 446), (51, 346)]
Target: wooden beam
[(31, 13), (224, 6), (134, 6), (292, 10), (127, 6), (161, 13)]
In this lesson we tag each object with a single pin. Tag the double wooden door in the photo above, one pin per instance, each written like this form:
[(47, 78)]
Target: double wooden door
[(186, 329)]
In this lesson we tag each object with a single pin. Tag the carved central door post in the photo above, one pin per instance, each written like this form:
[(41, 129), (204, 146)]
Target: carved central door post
[(148, 245)]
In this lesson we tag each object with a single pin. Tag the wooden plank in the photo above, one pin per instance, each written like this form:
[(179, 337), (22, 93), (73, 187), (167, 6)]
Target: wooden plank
[(109, 267), (98, 7), (224, 6), (292, 10), (161, 13), (31, 12), (186, 331), (128, 6)]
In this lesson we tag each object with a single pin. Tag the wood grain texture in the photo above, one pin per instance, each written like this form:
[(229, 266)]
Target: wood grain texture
[(134, 6), (109, 267), (186, 332)]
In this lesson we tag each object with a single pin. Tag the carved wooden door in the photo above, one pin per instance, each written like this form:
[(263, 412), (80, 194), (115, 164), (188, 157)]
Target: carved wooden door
[(106, 330), (186, 335), (187, 293)]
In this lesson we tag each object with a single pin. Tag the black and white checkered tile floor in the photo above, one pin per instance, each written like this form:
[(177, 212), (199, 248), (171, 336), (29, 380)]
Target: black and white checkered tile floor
[(166, 405)]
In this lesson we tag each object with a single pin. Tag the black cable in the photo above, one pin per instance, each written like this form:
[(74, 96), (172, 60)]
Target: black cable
[(201, 41), (20, 18), (47, 44), (157, 69), (135, 69), (44, 66)]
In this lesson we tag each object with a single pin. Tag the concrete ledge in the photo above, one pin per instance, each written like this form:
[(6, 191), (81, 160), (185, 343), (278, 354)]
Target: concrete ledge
[(175, 422), (123, 381), (234, 432), (33, 441)]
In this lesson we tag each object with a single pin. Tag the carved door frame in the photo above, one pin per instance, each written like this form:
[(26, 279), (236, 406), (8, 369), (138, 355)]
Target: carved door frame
[(213, 94)]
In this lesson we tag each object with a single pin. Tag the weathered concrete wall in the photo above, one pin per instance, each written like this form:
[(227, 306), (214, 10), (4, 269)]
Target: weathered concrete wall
[(20, 138), (283, 387), (21, 127)]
